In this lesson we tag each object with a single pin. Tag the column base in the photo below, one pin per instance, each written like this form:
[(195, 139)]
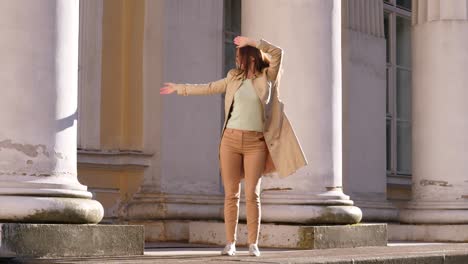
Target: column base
[(33, 209), (311, 214), (294, 236), (377, 211), (55, 240), (299, 214)]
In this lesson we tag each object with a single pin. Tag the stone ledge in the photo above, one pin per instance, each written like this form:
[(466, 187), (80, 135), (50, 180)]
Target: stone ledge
[(126, 159), (68, 240), (164, 230), (428, 232), (294, 236)]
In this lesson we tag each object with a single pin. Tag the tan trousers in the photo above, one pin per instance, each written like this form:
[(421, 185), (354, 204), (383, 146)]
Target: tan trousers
[(242, 149)]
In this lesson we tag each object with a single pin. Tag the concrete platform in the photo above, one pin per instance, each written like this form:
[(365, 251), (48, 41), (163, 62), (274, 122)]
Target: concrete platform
[(175, 253), (294, 236), (69, 240)]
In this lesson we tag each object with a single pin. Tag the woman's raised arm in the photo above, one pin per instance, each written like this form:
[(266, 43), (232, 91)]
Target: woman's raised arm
[(276, 60)]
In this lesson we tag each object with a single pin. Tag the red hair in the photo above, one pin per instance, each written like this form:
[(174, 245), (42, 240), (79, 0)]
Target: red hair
[(245, 53)]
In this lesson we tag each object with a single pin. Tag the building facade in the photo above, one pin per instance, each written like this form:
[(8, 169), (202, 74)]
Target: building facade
[(355, 121), (373, 88)]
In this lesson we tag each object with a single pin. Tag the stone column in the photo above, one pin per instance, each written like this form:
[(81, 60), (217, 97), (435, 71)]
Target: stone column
[(38, 113), (311, 87), (439, 107), (364, 83)]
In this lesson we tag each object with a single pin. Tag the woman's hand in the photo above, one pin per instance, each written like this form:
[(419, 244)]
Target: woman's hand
[(167, 89), (242, 41)]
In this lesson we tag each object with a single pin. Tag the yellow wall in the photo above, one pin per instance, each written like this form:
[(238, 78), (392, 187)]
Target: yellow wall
[(112, 186), (121, 103), (122, 64)]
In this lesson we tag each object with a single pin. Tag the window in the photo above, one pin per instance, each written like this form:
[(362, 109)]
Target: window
[(397, 23), (231, 29)]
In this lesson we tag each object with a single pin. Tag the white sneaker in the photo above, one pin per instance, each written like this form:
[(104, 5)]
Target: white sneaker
[(229, 249), (253, 250)]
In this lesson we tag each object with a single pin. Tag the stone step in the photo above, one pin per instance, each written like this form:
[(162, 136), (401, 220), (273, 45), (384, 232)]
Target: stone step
[(183, 253), (69, 240), (294, 236)]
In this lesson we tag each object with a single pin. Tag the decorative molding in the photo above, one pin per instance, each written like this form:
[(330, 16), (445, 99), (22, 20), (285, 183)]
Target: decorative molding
[(109, 159), (433, 10), (365, 16), (206, 199), (399, 180), (160, 206), (280, 197), (89, 73)]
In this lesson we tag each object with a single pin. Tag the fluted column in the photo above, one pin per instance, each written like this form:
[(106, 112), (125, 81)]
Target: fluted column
[(364, 16), (364, 83), (38, 113), (311, 87), (439, 107)]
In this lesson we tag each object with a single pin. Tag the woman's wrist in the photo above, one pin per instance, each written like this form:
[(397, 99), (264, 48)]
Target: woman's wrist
[(252, 42)]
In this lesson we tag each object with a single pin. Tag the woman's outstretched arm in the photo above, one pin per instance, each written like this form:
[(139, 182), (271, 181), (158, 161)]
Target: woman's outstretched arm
[(186, 89)]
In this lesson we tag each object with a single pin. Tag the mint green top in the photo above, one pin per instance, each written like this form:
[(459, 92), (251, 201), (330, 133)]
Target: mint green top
[(247, 112)]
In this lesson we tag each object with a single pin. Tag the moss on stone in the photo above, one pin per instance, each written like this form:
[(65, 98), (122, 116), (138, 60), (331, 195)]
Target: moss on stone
[(306, 238), (64, 211), (67, 215)]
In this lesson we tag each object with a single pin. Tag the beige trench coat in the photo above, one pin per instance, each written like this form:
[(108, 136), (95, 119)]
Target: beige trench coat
[(285, 154)]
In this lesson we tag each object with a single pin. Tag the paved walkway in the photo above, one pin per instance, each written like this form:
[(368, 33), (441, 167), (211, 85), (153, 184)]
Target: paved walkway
[(394, 253)]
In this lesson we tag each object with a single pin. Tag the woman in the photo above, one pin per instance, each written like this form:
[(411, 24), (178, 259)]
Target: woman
[(257, 137)]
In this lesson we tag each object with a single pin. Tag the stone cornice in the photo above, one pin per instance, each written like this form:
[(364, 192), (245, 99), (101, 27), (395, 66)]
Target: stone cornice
[(433, 10), (119, 158)]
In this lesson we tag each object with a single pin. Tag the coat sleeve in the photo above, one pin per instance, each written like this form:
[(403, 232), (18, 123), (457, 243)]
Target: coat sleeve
[(276, 54), (214, 87)]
